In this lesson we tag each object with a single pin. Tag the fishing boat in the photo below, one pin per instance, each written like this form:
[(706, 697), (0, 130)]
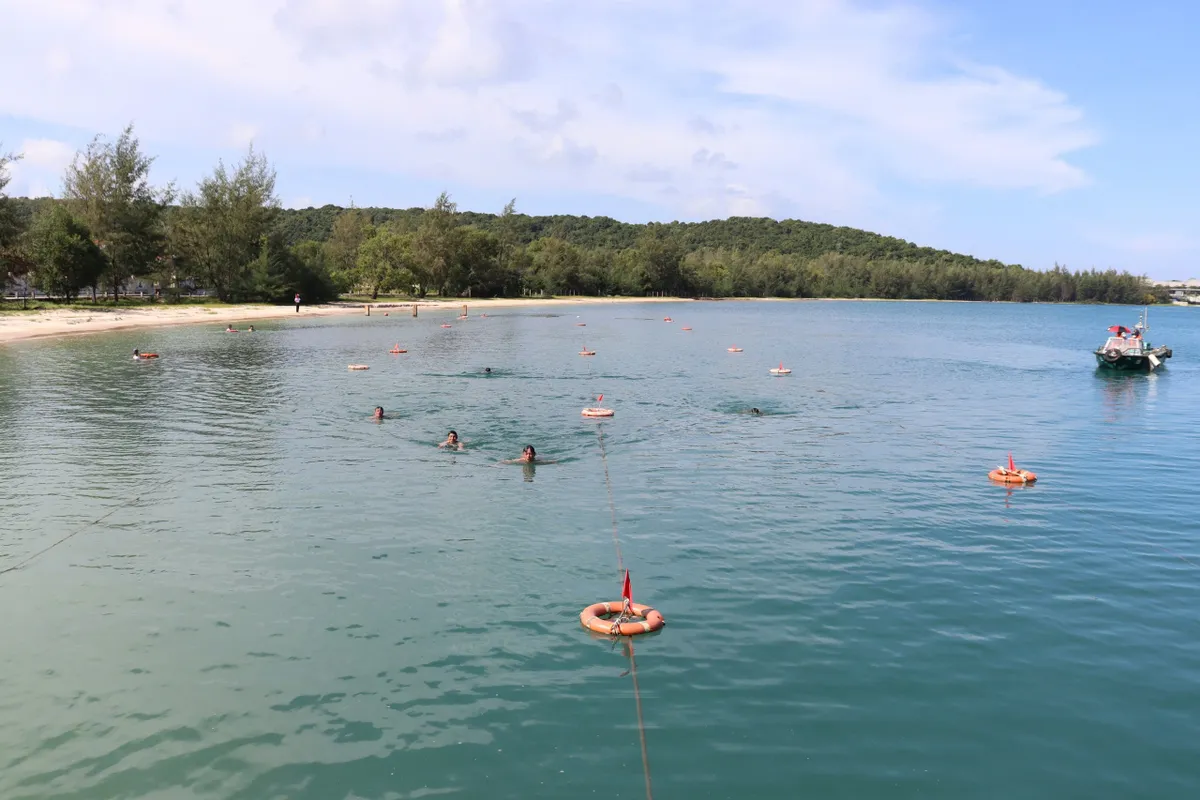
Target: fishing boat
[(1129, 349)]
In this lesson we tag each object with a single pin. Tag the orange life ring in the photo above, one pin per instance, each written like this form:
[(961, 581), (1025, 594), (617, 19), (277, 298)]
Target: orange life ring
[(147, 355), (1012, 476), (587, 352), (734, 349), (396, 351), (357, 366), (597, 412), (445, 326), (594, 619)]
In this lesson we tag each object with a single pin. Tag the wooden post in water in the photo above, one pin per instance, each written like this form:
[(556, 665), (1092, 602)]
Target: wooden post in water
[(367, 306), (464, 309), (414, 309)]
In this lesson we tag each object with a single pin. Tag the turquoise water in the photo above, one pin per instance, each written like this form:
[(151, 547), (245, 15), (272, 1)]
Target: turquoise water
[(270, 595)]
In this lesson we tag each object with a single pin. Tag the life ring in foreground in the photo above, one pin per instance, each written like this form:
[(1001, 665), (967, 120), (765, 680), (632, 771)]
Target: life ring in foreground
[(1005, 475), (357, 366), (594, 619), (597, 412)]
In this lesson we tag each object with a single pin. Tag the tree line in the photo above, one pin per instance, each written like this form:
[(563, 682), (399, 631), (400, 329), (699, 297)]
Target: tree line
[(229, 234)]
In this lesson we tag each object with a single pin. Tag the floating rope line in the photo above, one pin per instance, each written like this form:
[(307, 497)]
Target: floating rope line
[(71, 535), (611, 505), (637, 693), (637, 699)]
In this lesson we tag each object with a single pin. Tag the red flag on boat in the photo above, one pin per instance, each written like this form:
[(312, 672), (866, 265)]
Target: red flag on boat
[(598, 399), (1011, 467), (627, 590)]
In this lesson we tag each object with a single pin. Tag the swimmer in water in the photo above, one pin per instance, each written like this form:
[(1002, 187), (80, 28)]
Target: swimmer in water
[(487, 370), (756, 412), (136, 355), (452, 441), (230, 329), (528, 456), (250, 329), (378, 412)]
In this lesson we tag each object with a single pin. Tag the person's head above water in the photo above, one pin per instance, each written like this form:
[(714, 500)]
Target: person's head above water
[(487, 369), (528, 454), (378, 412), (452, 436), (755, 411)]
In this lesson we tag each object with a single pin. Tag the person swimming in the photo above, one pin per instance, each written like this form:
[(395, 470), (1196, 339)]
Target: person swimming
[(378, 412), (136, 355), (452, 441), (756, 412), (528, 456), (487, 370), (250, 329), (230, 329)]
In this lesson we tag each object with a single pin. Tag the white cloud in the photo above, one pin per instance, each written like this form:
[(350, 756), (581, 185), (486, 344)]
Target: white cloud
[(39, 171), (793, 107)]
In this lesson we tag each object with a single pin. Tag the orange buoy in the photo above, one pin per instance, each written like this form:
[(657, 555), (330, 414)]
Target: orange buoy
[(685, 329), (580, 324), (780, 370), (597, 412), (397, 350), (667, 319), (586, 352), (1005, 476), (445, 326), (357, 366), (147, 355), (734, 349), (1011, 474), (594, 619)]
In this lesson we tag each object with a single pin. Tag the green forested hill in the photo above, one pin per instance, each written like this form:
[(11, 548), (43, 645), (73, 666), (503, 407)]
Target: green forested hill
[(750, 235)]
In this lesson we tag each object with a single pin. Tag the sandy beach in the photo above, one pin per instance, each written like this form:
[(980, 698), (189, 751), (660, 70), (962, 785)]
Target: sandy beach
[(66, 322)]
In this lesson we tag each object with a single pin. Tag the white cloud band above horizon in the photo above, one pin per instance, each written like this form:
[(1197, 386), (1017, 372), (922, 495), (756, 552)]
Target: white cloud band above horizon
[(704, 109)]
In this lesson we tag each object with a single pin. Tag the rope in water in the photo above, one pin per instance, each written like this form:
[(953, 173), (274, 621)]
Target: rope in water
[(637, 693), (71, 535), (611, 506)]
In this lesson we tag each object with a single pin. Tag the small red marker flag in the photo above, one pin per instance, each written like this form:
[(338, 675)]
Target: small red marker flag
[(598, 399), (627, 590), (1011, 467)]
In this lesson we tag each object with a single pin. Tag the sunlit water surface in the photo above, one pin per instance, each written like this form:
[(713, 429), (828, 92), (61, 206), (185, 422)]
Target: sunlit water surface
[(270, 595)]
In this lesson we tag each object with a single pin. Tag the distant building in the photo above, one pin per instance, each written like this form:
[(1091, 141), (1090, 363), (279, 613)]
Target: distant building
[(1183, 291)]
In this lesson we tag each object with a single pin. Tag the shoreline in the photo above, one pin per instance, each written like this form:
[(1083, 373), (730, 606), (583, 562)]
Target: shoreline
[(74, 322)]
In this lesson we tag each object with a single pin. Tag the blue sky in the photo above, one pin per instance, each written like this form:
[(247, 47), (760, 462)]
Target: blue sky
[(1028, 132)]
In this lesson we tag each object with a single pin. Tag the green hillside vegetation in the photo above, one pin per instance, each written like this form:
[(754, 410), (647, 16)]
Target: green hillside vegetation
[(230, 235)]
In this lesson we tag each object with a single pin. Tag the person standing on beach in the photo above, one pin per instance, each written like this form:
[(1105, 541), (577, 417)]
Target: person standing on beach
[(297, 302)]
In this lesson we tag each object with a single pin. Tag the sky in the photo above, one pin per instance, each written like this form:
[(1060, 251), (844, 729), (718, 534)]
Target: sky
[(1030, 132)]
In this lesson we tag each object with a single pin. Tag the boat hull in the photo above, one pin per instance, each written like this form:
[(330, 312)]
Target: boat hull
[(1131, 362)]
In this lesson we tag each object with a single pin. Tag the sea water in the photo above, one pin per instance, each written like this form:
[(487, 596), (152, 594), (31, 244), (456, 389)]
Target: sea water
[(254, 590)]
